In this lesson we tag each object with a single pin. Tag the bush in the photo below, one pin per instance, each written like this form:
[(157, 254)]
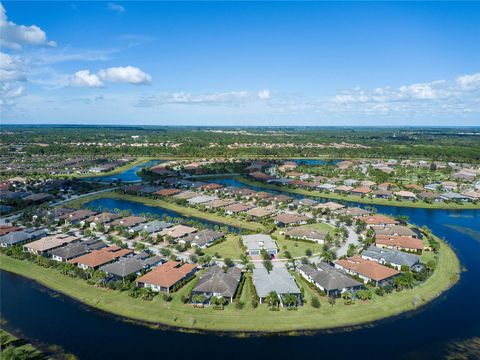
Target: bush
[(315, 302)]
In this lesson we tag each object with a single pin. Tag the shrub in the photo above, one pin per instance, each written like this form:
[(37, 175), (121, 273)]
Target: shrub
[(315, 302)]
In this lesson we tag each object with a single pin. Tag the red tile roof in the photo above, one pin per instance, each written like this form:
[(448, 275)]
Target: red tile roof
[(167, 275)]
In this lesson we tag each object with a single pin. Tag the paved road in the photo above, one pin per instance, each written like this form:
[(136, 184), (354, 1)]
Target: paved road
[(351, 239)]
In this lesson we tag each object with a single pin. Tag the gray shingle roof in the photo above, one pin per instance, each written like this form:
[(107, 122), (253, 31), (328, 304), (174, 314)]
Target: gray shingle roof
[(152, 226), (70, 251), (278, 280), (391, 256), (203, 237), (216, 280), (258, 241), (126, 266), (328, 277), (16, 237)]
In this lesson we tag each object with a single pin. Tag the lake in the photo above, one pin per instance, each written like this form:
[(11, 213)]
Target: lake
[(129, 175), (427, 333)]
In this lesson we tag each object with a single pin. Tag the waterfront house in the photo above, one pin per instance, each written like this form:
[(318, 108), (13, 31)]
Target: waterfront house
[(128, 222), (73, 250), (329, 279), (176, 232), (361, 191), (237, 208), (202, 238), (405, 243), (395, 230), (167, 277), (405, 195), (452, 196), (367, 270), (394, 258), (21, 237), (151, 227), (261, 212), (201, 199), (278, 280), (125, 267), (257, 242), (104, 219), (48, 243), (97, 258), (287, 219), (379, 221), (217, 282)]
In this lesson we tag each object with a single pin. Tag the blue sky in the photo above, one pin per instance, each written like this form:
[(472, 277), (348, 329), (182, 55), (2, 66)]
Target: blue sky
[(240, 63)]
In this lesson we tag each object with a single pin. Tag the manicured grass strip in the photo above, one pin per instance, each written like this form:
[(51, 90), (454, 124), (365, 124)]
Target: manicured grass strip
[(229, 248), (261, 319), (358, 199)]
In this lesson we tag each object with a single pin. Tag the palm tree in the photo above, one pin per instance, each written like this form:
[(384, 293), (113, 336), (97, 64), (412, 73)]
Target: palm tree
[(273, 300)]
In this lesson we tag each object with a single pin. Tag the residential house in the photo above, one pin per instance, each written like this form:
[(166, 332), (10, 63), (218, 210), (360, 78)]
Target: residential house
[(130, 266), (397, 242), (307, 233), (237, 208), (367, 270), (97, 258), (289, 219), (202, 238), (405, 195), (201, 199), (329, 279), (257, 242), (278, 280), (217, 282), (452, 196), (176, 232), (21, 237), (261, 212), (167, 276), (48, 243), (391, 257), (73, 250), (396, 230)]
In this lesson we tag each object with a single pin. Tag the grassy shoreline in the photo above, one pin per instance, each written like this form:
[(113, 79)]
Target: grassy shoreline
[(176, 314), (358, 199), (181, 210)]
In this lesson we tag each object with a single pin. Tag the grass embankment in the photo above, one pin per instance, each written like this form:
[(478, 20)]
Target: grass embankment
[(175, 313), (181, 210), (20, 346), (358, 199)]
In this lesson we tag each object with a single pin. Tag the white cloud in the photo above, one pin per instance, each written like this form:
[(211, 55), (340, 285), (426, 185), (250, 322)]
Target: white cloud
[(127, 74), (85, 78), (469, 82), (229, 98), (116, 7), (264, 94), (11, 68), (15, 36)]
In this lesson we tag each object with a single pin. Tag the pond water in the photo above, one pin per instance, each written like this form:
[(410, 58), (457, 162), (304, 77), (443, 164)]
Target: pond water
[(423, 334), (129, 175)]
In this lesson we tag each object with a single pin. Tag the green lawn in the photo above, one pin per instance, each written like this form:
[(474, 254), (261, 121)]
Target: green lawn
[(359, 199), (181, 210), (175, 313), (230, 248), (20, 345), (297, 248)]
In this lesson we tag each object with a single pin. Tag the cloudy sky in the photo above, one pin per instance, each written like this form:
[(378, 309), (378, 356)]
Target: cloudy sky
[(240, 64)]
